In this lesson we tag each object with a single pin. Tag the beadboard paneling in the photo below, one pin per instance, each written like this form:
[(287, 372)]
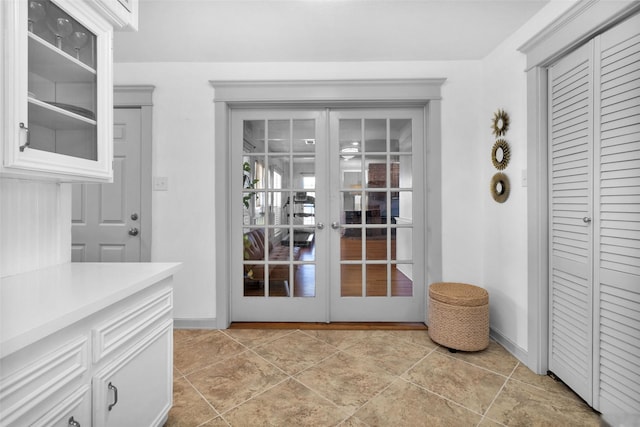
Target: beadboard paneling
[(35, 225)]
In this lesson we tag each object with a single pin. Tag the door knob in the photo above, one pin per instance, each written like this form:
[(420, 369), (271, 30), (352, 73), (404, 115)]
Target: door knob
[(133, 231), (586, 220), (320, 226), (335, 225), (134, 216)]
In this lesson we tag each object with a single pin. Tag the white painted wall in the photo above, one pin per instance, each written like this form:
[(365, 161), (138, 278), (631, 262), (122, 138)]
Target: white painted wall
[(35, 225), (183, 138), (484, 243), (504, 226)]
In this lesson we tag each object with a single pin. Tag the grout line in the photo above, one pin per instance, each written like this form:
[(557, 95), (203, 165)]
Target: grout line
[(253, 397), (477, 366), (205, 399), (397, 377), (442, 397), (224, 359), (498, 394)]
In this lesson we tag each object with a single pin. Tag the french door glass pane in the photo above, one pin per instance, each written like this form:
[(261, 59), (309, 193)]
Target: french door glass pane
[(304, 139), (279, 136), (375, 133)]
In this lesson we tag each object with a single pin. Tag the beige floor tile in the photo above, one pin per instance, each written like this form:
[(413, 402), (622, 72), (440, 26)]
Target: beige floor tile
[(287, 404), (405, 404), (217, 422), (495, 358), (295, 352), (347, 380), (420, 338), (487, 422), (255, 337), (189, 408), (233, 381), (339, 338), (557, 388), (391, 352), (520, 404), (353, 421), (471, 386), (182, 335), (203, 350)]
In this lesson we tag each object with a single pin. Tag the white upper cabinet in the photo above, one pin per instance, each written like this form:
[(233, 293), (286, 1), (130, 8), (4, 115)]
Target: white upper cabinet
[(123, 14), (57, 91)]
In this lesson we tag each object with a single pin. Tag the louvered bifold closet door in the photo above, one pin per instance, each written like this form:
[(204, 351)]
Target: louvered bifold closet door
[(618, 234), (571, 253)]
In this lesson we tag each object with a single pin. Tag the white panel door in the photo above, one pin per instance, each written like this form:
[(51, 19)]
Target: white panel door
[(106, 217), (570, 219), (617, 389)]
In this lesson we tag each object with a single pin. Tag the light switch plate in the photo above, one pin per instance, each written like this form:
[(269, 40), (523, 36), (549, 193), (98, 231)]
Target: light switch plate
[(160, 183)]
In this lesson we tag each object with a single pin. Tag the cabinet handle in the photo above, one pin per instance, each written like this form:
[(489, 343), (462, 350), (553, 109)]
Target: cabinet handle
[(26, 131), (73, 423), (115, 396)]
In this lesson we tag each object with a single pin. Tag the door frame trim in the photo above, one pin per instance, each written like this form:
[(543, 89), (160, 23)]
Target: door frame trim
[(141, 97), (577, 25), (425, 93)]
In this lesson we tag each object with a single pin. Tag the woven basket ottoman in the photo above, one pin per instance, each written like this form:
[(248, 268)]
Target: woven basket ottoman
[(459, 316)]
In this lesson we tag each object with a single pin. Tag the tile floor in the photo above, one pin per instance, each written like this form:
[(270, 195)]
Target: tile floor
[(266, 377)]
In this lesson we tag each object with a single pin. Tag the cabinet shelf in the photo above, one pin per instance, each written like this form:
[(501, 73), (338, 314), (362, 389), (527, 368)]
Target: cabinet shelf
[(56, 65), (52, 117)]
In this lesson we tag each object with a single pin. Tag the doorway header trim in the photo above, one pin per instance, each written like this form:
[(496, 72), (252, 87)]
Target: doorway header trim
[(328, 92)]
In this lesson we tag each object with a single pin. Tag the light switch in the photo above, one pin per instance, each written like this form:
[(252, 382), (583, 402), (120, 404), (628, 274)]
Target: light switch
[(160, 183)]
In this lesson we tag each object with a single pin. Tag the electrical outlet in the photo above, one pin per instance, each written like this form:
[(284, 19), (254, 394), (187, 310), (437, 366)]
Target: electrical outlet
[(160, 183)]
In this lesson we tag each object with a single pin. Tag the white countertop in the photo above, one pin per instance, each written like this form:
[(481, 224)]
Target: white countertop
[(36, 304)]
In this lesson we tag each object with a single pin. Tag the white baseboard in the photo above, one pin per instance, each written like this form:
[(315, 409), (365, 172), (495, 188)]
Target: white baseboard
[(519, 353), (208, 323)]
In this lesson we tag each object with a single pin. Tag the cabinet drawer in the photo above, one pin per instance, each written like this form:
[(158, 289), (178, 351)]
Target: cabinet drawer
[(76, 407), (25, 392), (114, 333)]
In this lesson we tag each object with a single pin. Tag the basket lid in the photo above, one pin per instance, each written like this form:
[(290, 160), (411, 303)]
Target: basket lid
[(460, 294)]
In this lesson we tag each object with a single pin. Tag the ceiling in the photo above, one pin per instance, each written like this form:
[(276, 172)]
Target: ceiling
[(320, 30)]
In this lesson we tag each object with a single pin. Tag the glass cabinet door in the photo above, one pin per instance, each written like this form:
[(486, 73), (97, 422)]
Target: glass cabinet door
[(57, 90), (62, 83)]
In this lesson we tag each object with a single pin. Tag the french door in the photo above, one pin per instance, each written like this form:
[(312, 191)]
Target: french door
[(322, 220)]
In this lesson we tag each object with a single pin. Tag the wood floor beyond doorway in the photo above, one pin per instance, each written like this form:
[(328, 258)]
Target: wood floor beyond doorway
[(397, 326)]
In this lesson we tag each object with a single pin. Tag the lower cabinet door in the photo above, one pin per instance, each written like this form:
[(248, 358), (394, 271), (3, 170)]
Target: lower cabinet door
[(136, 388)]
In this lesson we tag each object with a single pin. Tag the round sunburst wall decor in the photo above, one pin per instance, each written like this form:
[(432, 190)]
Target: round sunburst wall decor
[(500, 154), (500, 123), (500, 187)]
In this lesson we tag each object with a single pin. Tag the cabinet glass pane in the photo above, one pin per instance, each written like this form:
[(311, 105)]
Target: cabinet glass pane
[(62, 83)]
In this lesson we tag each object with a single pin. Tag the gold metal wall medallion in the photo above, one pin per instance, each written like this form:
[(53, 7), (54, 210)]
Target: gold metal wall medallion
[(500, 154), (500, 123), (500, 187)]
